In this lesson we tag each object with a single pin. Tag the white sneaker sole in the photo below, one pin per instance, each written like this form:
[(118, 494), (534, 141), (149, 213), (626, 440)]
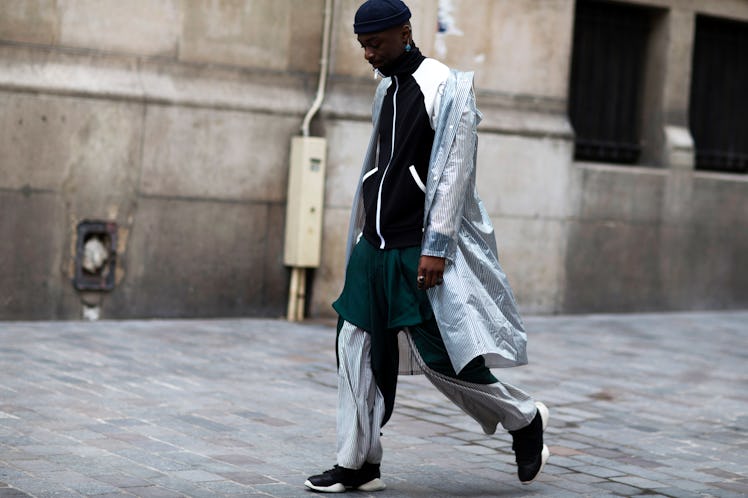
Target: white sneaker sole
[(543, 458), (335, 488), (373, 485)]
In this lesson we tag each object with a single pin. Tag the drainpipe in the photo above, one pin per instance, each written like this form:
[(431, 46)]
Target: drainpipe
[(305, 198), (323, 65)]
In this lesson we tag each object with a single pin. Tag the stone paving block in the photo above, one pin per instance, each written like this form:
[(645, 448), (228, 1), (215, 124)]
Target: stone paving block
[(638, 482), (196, 476), (39, 487), (226, 488), (248, 478), (154, 492), (122, 481), (12, 493), (596, 471), (680, 493)]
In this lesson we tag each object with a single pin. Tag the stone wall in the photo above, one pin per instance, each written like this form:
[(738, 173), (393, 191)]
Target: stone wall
[(173, 118), (170, 118)]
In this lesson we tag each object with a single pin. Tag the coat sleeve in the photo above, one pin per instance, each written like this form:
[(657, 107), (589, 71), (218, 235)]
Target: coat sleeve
[(445, 215)]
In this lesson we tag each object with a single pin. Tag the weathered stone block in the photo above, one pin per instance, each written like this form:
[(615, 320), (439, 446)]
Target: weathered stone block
[(621, 193), (720, 200), (531, 252), (329, 277), (31, 252), (238, 32), (524, 176), (87, 149), (195, 258), (347, 146), (613, 266), (140, 27), (276, 277), (27, 21), (217, 154), (704, 267), (525, 49)]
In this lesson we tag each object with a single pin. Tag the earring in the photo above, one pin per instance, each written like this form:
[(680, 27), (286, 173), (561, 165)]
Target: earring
[(408, 48)]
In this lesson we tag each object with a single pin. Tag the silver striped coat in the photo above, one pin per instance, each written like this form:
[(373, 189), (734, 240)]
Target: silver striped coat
[(474, 307)]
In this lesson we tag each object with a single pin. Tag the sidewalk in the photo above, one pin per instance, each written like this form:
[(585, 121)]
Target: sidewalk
[(652, 404)]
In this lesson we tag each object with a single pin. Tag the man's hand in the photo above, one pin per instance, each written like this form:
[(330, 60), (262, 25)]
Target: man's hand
[(430, 271)]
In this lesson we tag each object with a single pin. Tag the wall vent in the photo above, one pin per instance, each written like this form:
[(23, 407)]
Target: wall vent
[(95, 255)]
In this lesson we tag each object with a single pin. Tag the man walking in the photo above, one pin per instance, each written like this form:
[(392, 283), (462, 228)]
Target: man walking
[(422, 259)]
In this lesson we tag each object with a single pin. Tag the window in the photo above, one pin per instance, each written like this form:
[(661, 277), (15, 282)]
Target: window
[(606, 90), (719, 95)]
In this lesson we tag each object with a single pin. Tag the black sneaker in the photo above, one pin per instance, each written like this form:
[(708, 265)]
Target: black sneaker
[(339, 479), (530, 452)]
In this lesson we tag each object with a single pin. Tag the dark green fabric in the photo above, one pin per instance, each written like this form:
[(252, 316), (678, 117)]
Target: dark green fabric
[(380, 290), (431, 347), (380, 296)]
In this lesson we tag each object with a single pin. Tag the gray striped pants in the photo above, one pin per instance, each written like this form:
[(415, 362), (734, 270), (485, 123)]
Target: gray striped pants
[(361, 404)]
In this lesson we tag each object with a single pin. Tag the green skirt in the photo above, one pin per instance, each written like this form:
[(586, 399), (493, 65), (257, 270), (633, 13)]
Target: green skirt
[(380, 291), (381, 296)]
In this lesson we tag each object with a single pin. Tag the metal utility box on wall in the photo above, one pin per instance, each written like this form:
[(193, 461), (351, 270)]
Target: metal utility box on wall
[(306, 184)]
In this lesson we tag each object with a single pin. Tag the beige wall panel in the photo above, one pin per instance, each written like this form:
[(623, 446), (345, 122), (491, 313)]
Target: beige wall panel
[(345, 153), (89, 149), (31, 248), (521, 176), (243, 33), (629, 194), (677, 88), (531, 252), (36, 141), (141, 27), (347, 56), (190, 258), (29, 21), (329, 277), (720, 200), (517, 47), (704, 267), (305, 35), (218, 154), (613, 266)]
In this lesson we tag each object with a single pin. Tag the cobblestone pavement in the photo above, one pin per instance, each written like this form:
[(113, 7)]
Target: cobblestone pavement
[(650, 404)]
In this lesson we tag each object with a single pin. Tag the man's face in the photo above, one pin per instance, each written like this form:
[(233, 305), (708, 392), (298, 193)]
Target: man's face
[(385, 46)]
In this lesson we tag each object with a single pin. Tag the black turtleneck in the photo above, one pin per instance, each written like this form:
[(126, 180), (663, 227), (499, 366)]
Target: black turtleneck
[(407, 63), (394, 190)]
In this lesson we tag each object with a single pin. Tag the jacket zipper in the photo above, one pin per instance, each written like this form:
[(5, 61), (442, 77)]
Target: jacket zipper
[(392, 153)]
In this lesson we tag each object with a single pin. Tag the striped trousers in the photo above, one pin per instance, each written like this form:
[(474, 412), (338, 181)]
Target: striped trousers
[(361, 404)]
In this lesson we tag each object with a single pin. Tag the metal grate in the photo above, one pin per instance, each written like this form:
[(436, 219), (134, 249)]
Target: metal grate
[(719, 95), (607, 78)]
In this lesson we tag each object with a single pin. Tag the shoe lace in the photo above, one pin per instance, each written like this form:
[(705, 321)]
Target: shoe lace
[(332, 470)]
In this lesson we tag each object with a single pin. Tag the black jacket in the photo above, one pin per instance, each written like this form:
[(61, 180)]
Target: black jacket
[(393, 191)]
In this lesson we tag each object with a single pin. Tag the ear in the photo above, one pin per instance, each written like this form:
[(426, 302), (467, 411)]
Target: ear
[(406, 33)]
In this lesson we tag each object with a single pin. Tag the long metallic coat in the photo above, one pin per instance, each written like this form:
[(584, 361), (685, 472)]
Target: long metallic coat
[(474, 308)]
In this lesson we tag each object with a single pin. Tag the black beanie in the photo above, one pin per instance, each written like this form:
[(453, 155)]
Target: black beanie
[(379, 15)]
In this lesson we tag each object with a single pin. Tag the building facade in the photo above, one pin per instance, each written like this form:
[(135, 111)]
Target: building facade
[(612, 157)]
